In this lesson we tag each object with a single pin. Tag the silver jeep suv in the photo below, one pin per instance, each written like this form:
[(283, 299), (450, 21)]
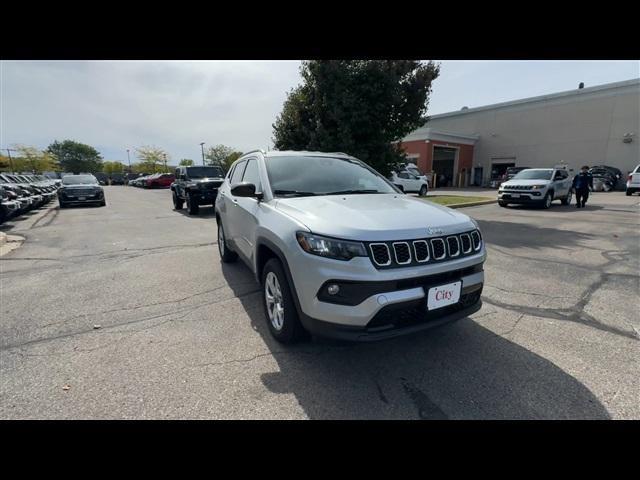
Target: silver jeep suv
[(341, 252)]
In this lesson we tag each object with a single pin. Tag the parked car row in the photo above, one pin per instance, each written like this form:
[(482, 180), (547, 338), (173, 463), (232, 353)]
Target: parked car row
[(156, 180), (21, 193)]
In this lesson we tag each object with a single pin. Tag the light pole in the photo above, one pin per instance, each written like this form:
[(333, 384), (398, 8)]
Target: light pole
[(9, 150), (165, 162), (202, 147), (129, 160)]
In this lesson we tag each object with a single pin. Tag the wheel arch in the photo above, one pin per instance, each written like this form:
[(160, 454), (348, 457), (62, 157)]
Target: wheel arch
[(266, 250)]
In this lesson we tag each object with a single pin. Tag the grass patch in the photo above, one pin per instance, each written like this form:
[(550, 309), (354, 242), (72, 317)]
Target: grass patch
[(452, 199)]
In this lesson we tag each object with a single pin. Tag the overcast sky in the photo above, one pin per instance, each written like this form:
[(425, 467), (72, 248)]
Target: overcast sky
[(115, 105)]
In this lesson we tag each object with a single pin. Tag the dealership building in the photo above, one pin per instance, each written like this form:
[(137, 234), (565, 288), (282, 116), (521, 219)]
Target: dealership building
[(587, 126)]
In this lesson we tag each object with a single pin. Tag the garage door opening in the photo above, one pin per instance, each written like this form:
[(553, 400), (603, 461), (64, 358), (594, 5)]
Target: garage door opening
[(444, 160), (499, 169)]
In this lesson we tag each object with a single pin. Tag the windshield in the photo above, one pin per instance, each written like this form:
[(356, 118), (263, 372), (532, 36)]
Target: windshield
[(309, 175), (534, 174), (204, 172), (79, 180)]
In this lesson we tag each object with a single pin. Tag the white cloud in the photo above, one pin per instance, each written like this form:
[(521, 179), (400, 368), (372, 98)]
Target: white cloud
[(114, 105)]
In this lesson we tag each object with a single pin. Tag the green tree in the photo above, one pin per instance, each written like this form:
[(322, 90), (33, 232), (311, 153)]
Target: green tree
[(113, 167), (359, 107), (217, 155), (76, 157), (228, 161), (186, 162), (30, 159), (152, 159)]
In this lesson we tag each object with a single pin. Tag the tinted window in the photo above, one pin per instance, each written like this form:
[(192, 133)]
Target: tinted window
[(534, 174), (323, 175), (204, 172), (237, 173), (252, 175), (79, 180), (404, 175)]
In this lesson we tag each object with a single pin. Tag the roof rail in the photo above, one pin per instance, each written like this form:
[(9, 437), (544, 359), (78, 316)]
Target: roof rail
[(254, 151)]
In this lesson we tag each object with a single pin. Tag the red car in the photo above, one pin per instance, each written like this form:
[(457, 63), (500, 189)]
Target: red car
[(160, 180)]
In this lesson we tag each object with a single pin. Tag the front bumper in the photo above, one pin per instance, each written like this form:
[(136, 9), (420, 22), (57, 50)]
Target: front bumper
[(205, 197), (524, 197), (404, 321), (11, 206), (75, 200), (406, 286)]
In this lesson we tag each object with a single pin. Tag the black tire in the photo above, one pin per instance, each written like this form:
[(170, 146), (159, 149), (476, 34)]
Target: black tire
[(546, 201), (177, 202), (567, 200), (226, 255), (62, 205), (629, 193), (423, 191), (103, 203), (292, 330), (192, 207), (503, 204)]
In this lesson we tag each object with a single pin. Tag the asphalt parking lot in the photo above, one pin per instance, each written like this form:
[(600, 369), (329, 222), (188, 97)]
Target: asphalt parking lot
[(182, 336)]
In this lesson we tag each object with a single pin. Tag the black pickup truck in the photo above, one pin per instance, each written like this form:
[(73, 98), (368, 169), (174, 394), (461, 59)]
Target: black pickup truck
[(196, 186)]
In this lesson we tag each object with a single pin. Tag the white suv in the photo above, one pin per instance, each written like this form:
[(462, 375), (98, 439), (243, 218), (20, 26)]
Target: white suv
[(410, 182), (341, 252), (633, 182), (537, 186)]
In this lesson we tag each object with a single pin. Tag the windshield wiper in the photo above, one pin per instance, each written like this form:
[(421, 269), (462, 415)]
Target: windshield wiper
[(349, 192), (295, 193)]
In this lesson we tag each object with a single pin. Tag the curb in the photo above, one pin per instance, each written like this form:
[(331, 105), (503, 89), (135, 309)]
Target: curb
[(9, 243), (471, 204)]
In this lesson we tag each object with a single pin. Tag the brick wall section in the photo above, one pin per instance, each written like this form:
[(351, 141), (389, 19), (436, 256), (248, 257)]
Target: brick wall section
[(425, 150)]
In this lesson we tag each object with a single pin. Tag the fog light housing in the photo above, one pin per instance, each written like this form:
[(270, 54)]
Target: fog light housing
[(333, 289)]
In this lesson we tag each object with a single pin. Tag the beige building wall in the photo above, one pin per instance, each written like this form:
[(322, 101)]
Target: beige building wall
[(583, 126)]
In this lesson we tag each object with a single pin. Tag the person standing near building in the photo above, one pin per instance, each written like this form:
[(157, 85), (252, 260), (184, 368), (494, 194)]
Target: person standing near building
[(582, 183)]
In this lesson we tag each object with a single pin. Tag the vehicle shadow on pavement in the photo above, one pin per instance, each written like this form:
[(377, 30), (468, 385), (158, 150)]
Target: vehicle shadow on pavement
[(556, 208), (457, 371), (204, 212), (515, 235)]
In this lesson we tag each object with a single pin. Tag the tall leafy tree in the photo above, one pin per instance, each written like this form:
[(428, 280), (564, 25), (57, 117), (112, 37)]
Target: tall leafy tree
[(228, 161), (359, 107), (113, 167), (30, 159), (186, 162), (76, 157), (151, 159), (217, 155)]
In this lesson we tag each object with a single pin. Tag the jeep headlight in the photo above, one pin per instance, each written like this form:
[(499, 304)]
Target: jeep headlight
[(538, 187), (330, 247)]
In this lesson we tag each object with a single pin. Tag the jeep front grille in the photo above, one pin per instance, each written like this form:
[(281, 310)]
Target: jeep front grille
[(439, 251), (421, 250), (454, 246), (394, 254), (402, 253), (380, 252), (465, 240), (477, 241)]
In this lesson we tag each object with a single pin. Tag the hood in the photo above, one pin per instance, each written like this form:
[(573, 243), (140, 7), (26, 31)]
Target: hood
[(374, 217), (208, 179), (515, 181)]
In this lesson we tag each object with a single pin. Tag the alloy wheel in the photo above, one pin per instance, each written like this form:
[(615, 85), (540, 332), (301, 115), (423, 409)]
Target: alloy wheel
[(275, 303)]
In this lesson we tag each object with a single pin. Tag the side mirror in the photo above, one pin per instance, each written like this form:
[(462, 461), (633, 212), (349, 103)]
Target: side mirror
[(245, 189)]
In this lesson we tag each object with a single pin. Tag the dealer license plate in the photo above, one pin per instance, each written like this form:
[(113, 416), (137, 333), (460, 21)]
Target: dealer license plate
[(515, 195), (443, 295), (82, 198)]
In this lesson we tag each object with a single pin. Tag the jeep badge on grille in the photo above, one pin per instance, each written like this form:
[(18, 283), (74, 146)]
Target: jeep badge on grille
[(434, 231)]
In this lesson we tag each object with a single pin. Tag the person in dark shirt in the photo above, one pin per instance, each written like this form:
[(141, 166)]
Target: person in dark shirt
[(582, 183)]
